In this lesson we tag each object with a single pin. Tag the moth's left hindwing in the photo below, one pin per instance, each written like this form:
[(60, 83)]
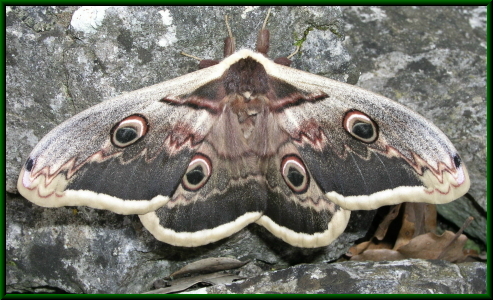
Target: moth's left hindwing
[(246, 140)]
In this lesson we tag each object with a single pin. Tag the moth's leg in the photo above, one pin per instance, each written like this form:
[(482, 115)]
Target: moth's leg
[(263, 37), (203, 63), (286, 61), (229, 42)]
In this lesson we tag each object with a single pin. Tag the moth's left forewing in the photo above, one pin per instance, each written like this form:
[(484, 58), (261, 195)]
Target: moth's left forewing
[(407, 160), (79, 162)]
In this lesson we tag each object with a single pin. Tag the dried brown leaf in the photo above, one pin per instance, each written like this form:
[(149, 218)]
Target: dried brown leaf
[(407, 230), (416, 237), (457, 236), (378, 255), (379, 245), (417, 219), (431, 246), (182, 284), (209, 265), (430, 219), (384, 225), (364, 247), (422, 215), (357, 249)]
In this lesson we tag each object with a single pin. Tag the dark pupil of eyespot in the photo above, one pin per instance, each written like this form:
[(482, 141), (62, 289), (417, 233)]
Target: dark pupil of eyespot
[(457, 161), (126, 134), (295, 177), (29, 164), (363, 130), (196, 175)]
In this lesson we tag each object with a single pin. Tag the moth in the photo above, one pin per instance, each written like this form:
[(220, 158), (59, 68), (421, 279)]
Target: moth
[(239, 141)]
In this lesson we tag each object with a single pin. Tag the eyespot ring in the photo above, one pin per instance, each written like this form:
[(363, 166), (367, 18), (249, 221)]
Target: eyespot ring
[(294, 173), (360, 126), (198, 173), (129, 131)]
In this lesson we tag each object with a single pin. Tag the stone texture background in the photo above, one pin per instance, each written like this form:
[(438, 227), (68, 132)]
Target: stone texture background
[(388, 277), (62, 60)]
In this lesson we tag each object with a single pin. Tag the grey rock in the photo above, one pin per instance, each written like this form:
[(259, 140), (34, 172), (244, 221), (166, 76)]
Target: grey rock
[(388, 277), (85, 250), (56, 68)]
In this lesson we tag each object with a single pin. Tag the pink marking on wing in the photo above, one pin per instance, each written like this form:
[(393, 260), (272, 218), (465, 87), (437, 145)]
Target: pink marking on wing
[(26, 179)]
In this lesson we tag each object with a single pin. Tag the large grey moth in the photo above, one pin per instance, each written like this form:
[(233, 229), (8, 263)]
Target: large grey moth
[(244, 140)]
